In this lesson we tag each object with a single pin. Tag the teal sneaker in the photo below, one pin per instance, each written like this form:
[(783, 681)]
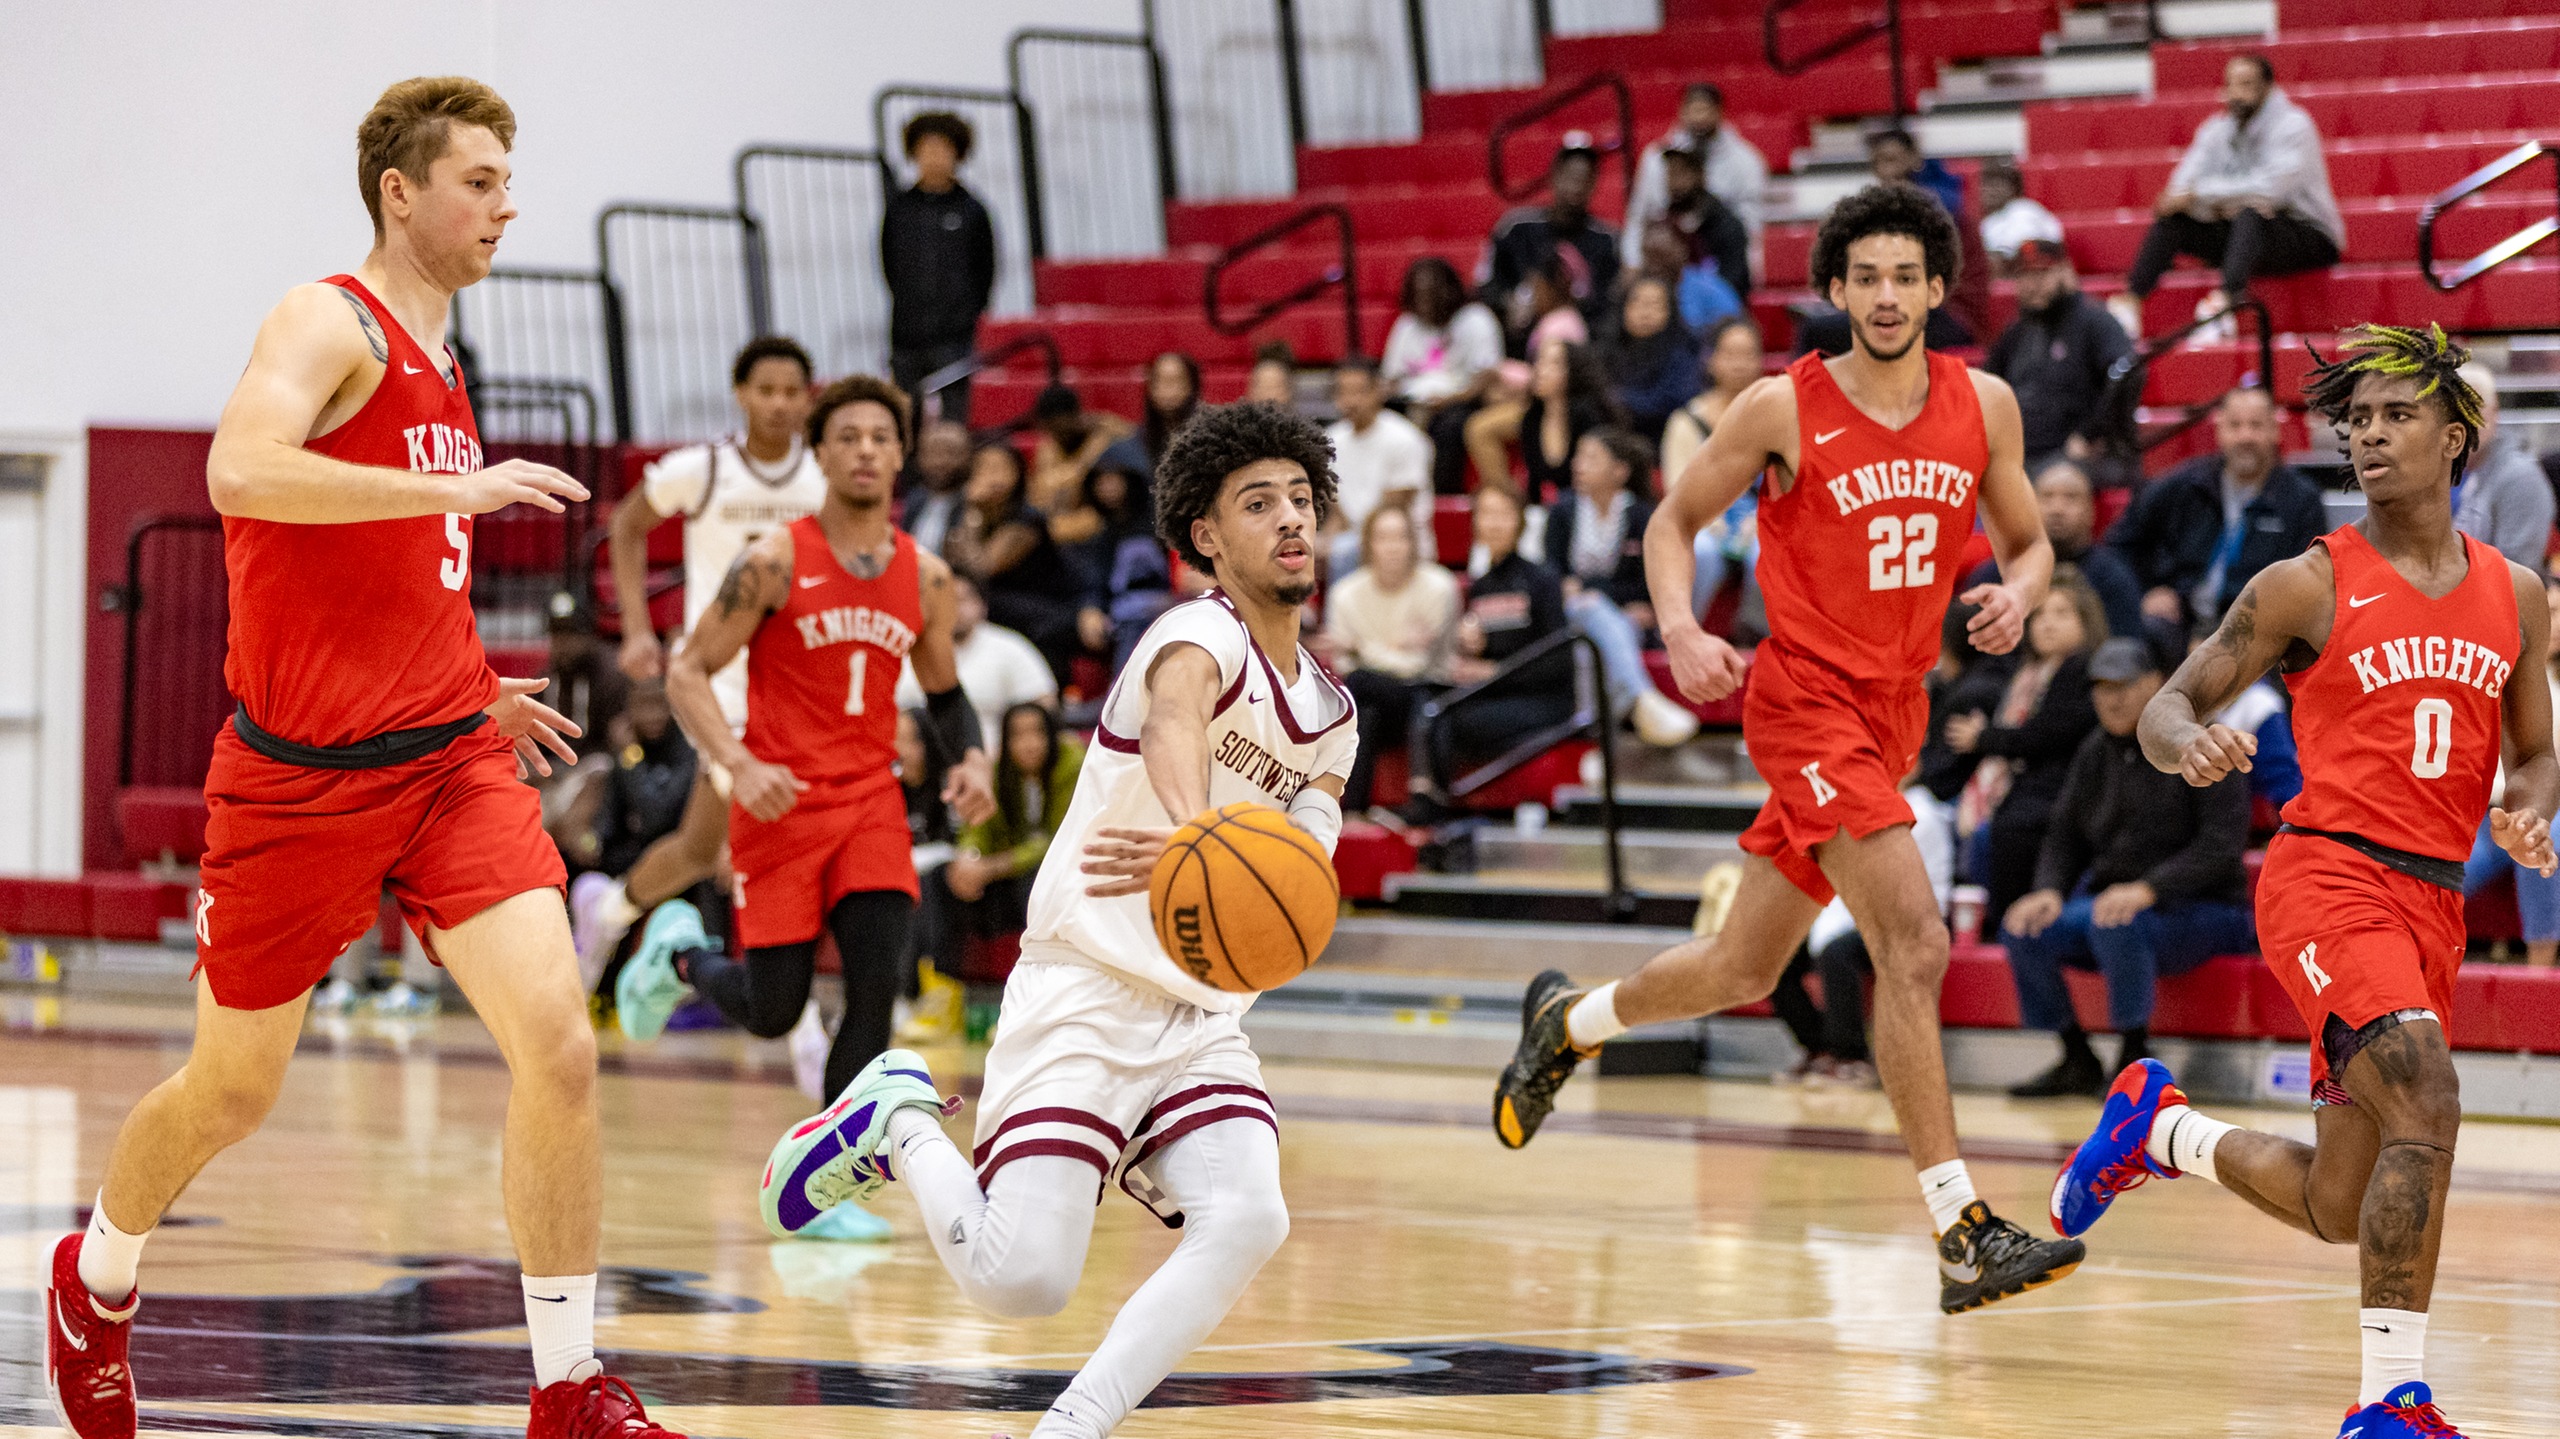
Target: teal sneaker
[(848, 1224), (835, 1155), (648, 990)]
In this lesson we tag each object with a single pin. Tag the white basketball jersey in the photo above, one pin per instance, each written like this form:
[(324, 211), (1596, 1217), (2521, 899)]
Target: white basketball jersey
[(1266, 740), (729, 502)]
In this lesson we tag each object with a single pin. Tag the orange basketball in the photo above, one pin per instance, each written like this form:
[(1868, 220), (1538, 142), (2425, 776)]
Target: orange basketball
[(1242, 899)]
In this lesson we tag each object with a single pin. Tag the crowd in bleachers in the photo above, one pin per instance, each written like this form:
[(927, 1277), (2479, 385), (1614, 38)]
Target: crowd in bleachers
[(1498, 462)]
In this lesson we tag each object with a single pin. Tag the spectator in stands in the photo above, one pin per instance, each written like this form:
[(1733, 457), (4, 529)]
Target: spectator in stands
[(1732, 359), (1492, 430), (1735, 173), (2009, 218), (2251, 197), (1712, 240), (1443, 356), (1122, 575), (938, 257), (1514, 604), (1388, 628), (998, 667), (1003, 542), (2275, 767), (1651, 359), (2026, 743), (2197, 534), (990, 875), (1526, 240), (1273, 379), (1595, 547), (2068, 503), (1379, 458), (1071, 439), (2056, 355), (1173, 394), (942, 472), (643, 799), (1568, 398), (2139, 876), (2504, 500), (1894, 157), (2537, 896)]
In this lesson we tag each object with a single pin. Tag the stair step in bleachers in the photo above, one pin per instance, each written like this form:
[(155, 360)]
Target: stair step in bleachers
[(2454, 47)]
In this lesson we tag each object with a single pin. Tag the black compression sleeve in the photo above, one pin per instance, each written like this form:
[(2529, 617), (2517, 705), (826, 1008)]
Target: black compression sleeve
[(953, 730)]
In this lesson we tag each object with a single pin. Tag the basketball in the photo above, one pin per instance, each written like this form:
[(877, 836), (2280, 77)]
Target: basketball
[(1243, 900)]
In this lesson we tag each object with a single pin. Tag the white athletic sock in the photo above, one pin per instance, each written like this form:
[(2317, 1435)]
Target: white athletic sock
[(2185, 1140), (108, 1257), (2395, 1347), (1593, 1020), (560, 1313), (1948, 1188)]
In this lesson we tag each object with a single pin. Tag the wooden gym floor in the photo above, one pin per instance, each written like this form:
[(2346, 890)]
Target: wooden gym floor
[(1671, 1257)]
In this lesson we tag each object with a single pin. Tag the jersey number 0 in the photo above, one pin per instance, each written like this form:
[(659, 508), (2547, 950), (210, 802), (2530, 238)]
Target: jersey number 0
[(2432, 743)]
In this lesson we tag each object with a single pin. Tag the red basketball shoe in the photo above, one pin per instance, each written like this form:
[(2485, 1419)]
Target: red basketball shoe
[(596, 1407), (85, 1370)]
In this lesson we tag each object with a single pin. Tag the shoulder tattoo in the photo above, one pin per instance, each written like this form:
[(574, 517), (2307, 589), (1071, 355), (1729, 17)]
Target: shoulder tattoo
[(373, 335), (745, 589)]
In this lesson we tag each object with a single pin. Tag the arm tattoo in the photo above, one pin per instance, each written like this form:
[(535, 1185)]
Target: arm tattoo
[(749, 579), (2217, 664), (373, 335)]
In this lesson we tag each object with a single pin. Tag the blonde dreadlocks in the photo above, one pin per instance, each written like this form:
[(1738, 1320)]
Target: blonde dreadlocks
[(2427, 356)]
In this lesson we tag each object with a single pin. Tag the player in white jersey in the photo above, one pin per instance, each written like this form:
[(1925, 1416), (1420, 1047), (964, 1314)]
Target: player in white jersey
[(1111, 1063), (730, 493)]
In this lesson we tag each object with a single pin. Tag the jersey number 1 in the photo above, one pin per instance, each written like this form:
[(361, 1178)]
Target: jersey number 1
[(2433, 744), (853, 696), (1900, 559)]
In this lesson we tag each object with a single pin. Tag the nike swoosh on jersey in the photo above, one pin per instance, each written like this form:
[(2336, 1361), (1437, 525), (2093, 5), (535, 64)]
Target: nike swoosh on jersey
[(808, 582), (1824, 439), (409, 369), (2354, 603)]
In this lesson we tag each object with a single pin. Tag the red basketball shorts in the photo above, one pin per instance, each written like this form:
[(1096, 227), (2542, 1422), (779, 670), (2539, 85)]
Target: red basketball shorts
[(834, 842), (1834, 753), (2349, 936), (296, 859)]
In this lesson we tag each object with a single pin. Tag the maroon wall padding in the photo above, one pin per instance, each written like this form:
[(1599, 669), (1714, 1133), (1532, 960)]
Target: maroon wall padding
[(133, 474)]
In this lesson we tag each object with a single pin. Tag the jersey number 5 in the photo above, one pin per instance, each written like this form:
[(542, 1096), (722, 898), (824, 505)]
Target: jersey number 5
[(455, 571), (2433, 742), (1900, 559)]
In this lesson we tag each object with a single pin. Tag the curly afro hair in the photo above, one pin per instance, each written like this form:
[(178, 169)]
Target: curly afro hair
[(1900, 208), (1217, 442), (2425, 356)]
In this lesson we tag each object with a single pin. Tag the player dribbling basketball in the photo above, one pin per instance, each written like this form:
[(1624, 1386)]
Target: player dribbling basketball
[(1110, 1060)]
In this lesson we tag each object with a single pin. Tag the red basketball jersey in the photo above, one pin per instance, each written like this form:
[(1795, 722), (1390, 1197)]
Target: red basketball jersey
[(822, 671), (343, 632), (2398, 720), (1858, 557)]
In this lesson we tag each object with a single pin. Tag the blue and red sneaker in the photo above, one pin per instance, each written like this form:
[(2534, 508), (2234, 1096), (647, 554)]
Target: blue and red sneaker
[(2113, 1158), (2408, 1412)]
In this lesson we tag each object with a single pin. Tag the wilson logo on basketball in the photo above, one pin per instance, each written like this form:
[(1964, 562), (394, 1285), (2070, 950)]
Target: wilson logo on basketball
[(1186, 933)]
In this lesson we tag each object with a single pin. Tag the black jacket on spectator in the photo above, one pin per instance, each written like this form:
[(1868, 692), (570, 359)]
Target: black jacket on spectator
[(2057, 362), (1547, 481), (2118, 820), (2169, 533), (1525, 238), (2118, 588), (2042, 746), (1625, 585), (938, 255), (644, 799), (1518, 603), (1715, 233), (1943, 771)]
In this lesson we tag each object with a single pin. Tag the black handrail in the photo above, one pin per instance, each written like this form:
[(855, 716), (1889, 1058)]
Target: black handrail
[(1344, 272), (1025, 136), (738, 165), (1888, 25), (1595, 721), (759, 288), (1293, 82), (1159, 109), (980, 360), (609, 308), (2122, 398), (128, 598), (2472, 184), (1625, 144)]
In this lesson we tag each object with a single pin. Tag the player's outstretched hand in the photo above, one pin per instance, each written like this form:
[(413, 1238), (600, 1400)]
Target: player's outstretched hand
[(2526, 837), (1706, 668), (2001, 621), (532, 726), (1127, 857), (969, 791), (2216, 750), (518, 482), (767, 791)]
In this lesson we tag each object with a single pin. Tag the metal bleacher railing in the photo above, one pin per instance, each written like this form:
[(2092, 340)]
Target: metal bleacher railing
[(1342, 272), (819, 211), (1887, 24), (693, 288), (2470, 185), (1102, 131), (1623, 143), (176, 608), (2120, 403)]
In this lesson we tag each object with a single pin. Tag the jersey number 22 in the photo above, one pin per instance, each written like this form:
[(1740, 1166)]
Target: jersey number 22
[(1900, 559)]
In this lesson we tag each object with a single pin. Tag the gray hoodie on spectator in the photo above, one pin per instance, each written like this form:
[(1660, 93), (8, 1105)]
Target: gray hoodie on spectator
[(2506, 503), (2275, 157)]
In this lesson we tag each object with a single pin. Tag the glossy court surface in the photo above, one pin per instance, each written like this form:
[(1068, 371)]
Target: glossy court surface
[(1670, 1257)]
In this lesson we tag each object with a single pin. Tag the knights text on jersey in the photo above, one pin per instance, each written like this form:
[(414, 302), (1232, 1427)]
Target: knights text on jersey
[(1267, 739), (729, 502), (342, 632), (1858, 556), (2398, 719), (822, 671)]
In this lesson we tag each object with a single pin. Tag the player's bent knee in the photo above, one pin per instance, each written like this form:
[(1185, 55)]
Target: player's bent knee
[(228, 1111), (1255, 1227), (1034, 1292), (1911, 954)]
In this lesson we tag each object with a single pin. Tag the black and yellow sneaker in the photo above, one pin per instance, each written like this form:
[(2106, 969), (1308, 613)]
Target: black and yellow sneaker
[(1545, 1059), (1984, 1258)]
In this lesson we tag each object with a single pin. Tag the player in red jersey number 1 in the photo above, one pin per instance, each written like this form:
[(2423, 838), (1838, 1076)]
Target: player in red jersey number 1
[(373, 749), (2408, 647), (1870, 467)]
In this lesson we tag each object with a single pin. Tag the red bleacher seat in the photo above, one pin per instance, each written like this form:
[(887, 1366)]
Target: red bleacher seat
[(161, 821)]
